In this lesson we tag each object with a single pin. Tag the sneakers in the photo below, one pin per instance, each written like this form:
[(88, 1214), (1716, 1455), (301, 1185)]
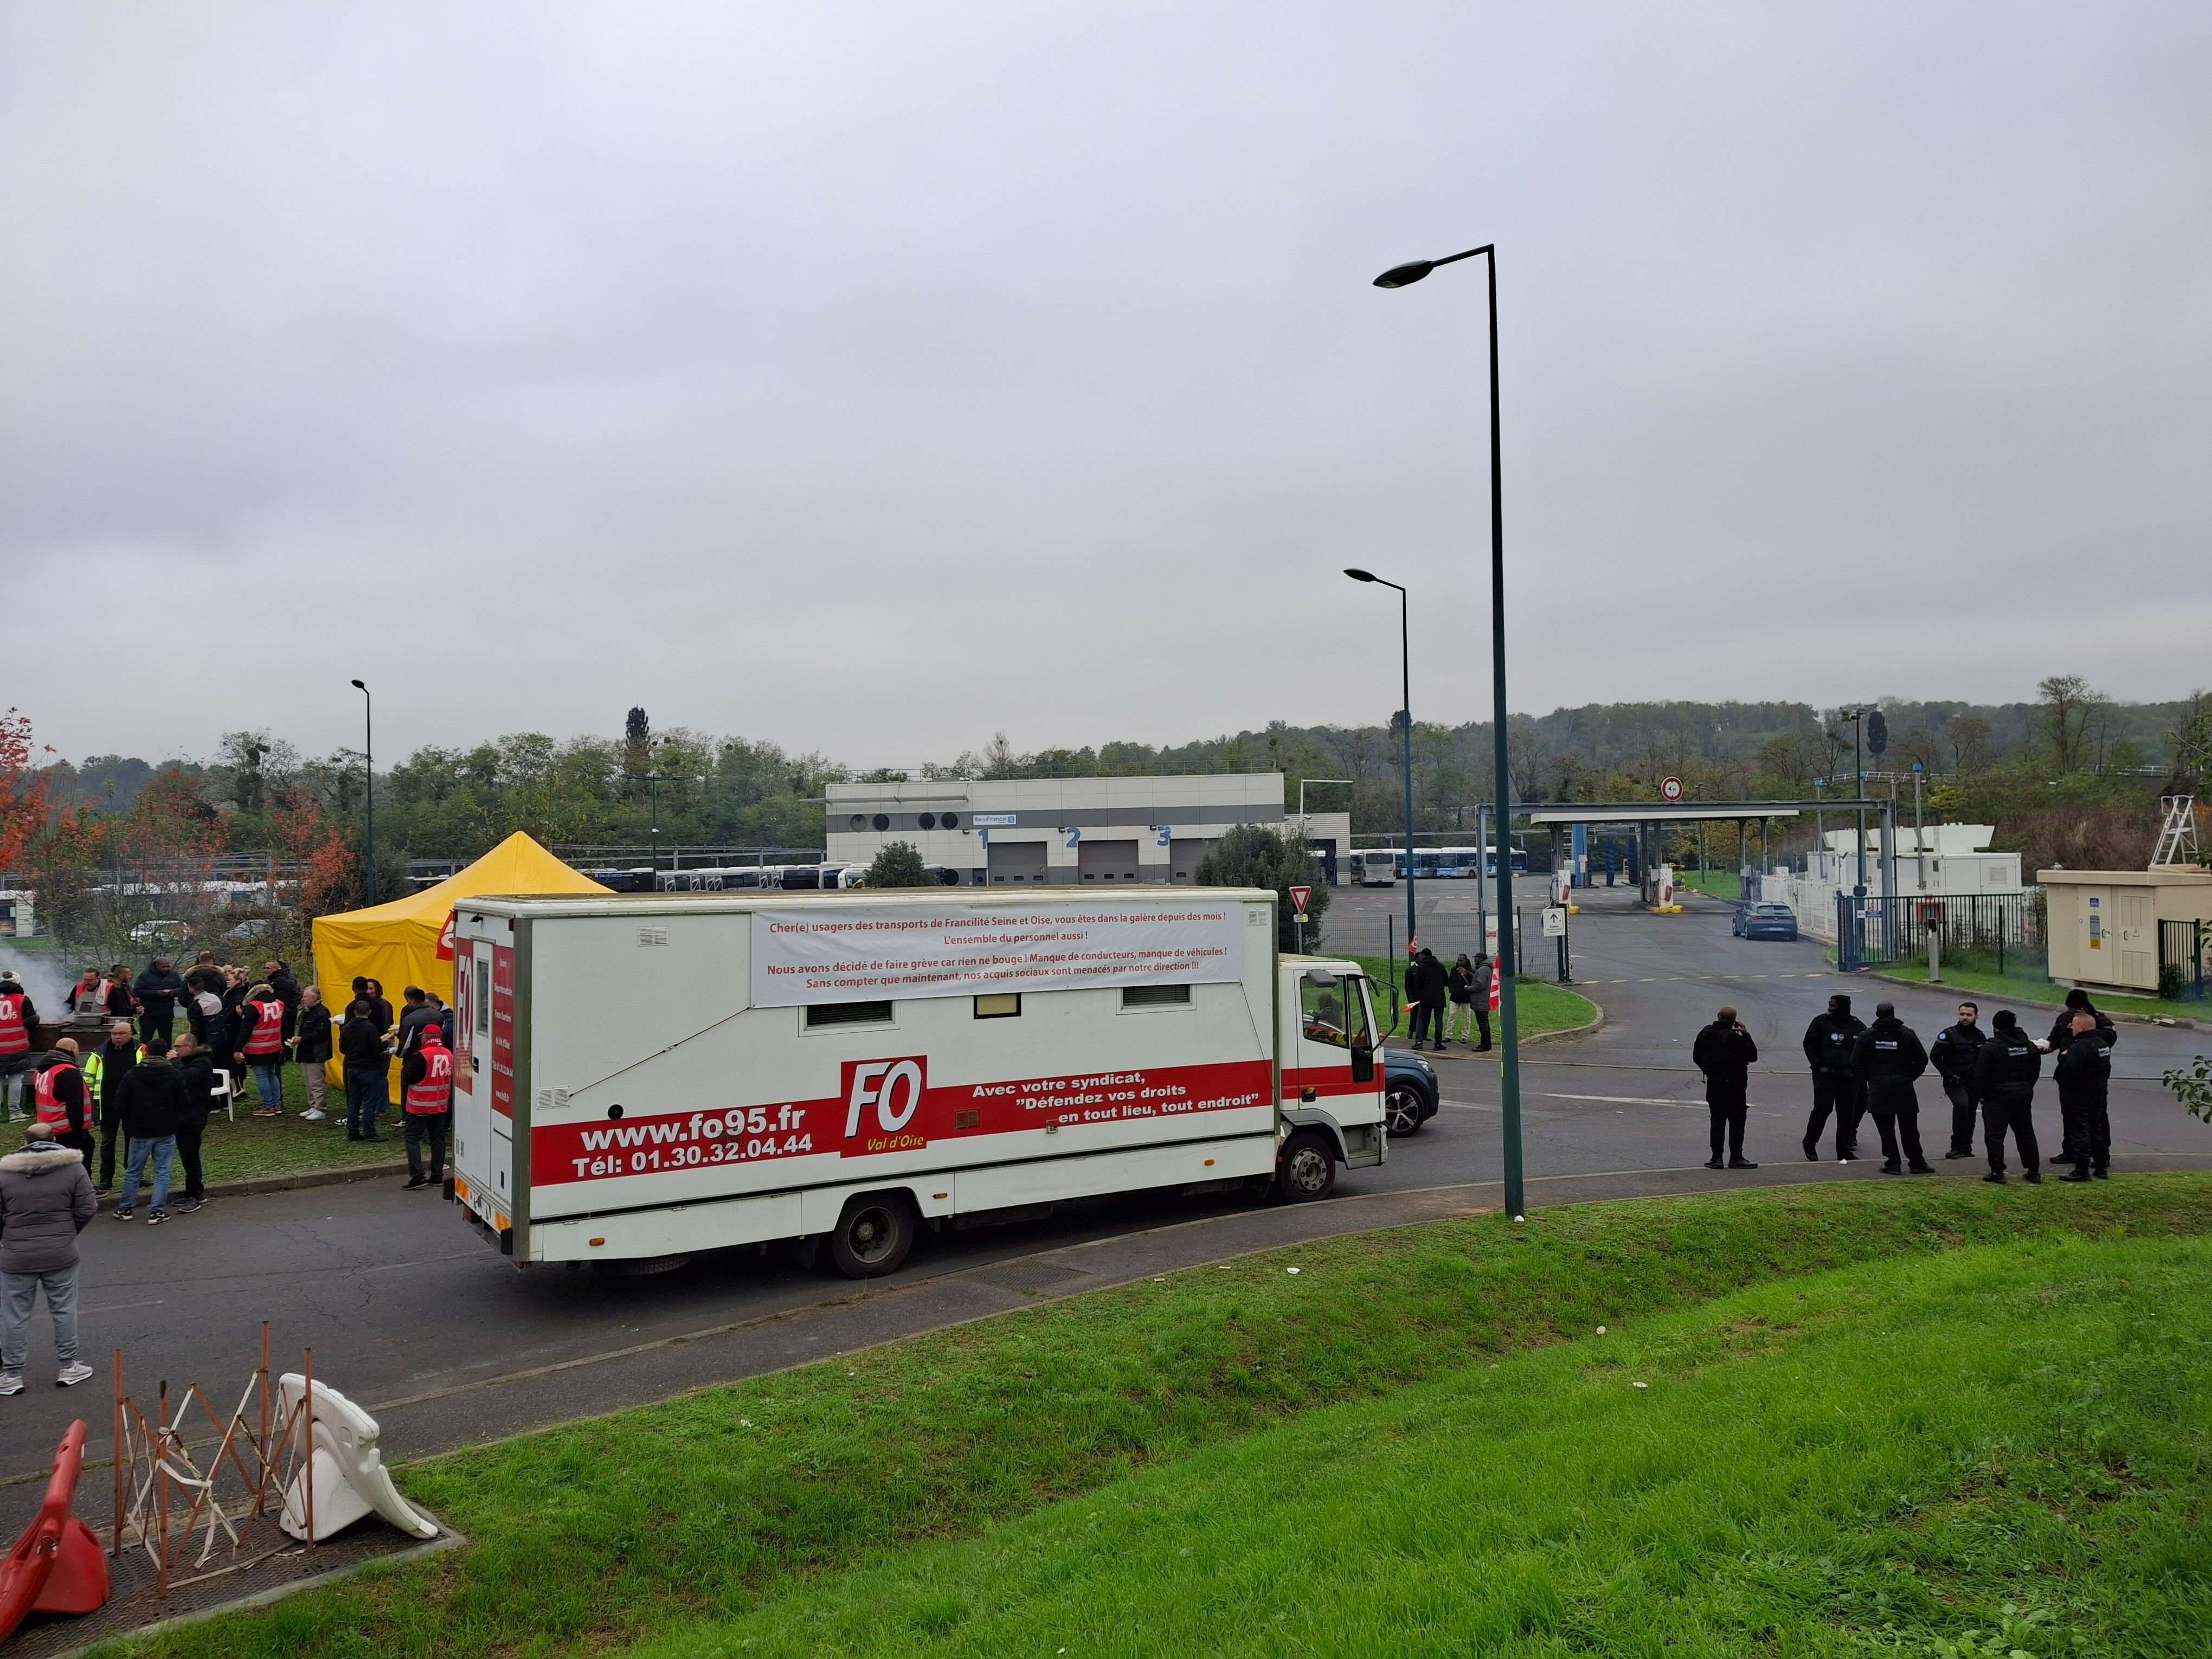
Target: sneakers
[(2079, 1172), (1995, 1178), (74, 1372), (187, 1206), (413, 1182), (124, 1214), (11, 1383), (311, 1116), (155, 1218), (1951, 1155), (268, 1112)]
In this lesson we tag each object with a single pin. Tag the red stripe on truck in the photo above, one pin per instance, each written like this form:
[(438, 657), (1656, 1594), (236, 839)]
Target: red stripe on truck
[(884, 1106)]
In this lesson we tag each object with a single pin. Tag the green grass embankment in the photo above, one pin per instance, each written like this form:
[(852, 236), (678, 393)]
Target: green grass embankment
[(1884, 1458), (2031, 989), (594, 1536)]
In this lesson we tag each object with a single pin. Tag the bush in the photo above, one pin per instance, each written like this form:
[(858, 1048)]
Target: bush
[(898, 865), (1249, 856)]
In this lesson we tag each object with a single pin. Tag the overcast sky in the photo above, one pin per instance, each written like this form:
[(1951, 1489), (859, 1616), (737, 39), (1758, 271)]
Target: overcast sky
[(871, 379)]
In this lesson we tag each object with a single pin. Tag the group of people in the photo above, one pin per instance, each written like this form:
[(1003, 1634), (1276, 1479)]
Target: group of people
[(1862, 1071), (1449, 1004)]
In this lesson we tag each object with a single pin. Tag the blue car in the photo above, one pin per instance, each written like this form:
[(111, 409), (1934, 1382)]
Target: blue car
[(1765, 921), (1409, 1091)]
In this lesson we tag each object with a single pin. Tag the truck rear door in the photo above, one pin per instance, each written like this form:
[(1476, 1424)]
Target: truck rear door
[(483, 1072)]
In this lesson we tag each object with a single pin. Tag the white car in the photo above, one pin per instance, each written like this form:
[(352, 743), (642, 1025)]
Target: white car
[(157, 933)]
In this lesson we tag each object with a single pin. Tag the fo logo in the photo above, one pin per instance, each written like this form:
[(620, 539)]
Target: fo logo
[(891, 1089)]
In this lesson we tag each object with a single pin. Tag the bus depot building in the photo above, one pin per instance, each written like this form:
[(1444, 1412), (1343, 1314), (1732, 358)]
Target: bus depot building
[(1103, 831)]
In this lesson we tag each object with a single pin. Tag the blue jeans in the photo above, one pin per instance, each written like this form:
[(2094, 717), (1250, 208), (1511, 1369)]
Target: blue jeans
[(269, 1079), (367, 1093), (134, 1165)]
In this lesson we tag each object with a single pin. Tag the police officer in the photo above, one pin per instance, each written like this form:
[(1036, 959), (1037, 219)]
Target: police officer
[(2072, 1135), (1725, 1053), (2084, 1069), (1953, 1054), (1829, 1041), (2005, 1071), (1890, 1058)]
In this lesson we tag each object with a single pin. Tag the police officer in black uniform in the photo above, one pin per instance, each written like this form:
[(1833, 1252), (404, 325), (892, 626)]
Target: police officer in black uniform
[(1829, 1042), (1725, 1053), (2005, 1071), (1890, 1058), (2073, 1135), (2084, 1069), (1953, 1055)]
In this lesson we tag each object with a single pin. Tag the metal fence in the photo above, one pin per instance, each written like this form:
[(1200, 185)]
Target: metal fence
[(2184, 960), (2002, 932)]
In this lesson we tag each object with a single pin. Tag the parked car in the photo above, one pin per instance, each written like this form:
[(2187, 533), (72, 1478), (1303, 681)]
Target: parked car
[(158, 932), (1409, 1091), (1764, 920)]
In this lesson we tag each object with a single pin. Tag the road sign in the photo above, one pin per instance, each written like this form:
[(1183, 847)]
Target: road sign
[(1298, 897), (1555, 921), (1672, 789)]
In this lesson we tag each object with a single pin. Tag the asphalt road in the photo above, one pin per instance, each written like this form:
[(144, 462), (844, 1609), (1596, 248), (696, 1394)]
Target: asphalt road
[(409, 1314)]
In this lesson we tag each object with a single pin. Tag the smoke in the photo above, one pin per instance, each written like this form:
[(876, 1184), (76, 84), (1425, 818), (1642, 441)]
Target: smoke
[(48, 985)]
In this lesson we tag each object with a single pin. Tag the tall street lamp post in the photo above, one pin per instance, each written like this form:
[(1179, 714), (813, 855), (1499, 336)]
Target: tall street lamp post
[(368, 766), (1406, 715), (1509, 1040)]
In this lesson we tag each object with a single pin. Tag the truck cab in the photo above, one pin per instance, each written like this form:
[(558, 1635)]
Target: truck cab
[(1332, 1084)]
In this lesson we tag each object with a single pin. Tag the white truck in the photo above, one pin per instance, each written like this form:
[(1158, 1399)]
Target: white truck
[(638, 1078)]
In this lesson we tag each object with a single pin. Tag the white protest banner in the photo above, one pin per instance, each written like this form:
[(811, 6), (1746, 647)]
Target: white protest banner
[(861, 952)]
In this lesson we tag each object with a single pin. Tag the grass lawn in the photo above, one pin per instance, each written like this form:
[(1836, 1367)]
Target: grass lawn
[(256, 1147), (1884, 1457), (2036, 988), (1540, 1004), (1718, 884), (718, 1505)]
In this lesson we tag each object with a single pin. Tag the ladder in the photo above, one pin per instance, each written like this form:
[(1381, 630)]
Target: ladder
[(2177, 836)]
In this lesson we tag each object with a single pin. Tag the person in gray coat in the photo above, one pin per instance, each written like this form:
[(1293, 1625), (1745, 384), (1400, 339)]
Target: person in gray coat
[(45, 1201)]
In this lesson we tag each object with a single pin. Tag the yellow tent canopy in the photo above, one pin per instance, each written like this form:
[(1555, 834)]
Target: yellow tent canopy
[(397, 943)]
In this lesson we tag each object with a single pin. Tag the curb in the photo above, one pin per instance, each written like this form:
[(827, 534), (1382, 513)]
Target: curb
[(285, 1183), (2162, 1022), (1560, 1035)]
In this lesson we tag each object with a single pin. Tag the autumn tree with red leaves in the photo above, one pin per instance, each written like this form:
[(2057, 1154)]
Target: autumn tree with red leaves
[(22, 791)]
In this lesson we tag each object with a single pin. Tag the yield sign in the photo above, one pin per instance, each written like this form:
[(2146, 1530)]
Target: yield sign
[(1298, 897)]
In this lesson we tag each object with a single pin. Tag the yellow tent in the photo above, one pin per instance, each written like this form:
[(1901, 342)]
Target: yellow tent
[(397, 943)]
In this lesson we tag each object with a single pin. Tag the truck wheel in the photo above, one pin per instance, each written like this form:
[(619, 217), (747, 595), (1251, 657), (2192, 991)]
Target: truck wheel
[(874, 1236), (1306, 1167), (1403, 1109)]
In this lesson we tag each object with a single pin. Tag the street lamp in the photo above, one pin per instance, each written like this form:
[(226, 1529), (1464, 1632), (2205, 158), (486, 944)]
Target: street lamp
[(1405, 713), (368, 765), (1509, 1043)]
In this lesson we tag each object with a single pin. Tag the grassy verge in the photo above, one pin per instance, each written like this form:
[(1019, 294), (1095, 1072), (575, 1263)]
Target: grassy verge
[(254, 1148), (1715, 883), (1762, 1475), (1541, 1005), (596, 1535), (2036, 988)]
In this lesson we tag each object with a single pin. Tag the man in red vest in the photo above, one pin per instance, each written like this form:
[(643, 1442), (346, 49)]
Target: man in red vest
[(262, 1020), (64, 1108), (426, 1085), (18, 1023)]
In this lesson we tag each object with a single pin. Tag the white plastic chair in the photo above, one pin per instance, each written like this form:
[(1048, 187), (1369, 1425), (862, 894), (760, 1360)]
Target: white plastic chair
[(224, 1091)]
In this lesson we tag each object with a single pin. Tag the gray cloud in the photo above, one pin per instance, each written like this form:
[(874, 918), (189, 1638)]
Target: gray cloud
[(875, 377)]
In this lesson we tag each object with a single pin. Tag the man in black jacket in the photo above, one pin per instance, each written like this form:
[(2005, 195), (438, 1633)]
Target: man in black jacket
[(276, 975), (1829, 1044), (1889, 1056), (2071, 1134), (1424, 983), (2084, 1069), (1725, 1053), (105, 1068), (157, 990), (2005, 1071), (197, 1070), (367, 1071), (152, 1100), (1953, 1055)]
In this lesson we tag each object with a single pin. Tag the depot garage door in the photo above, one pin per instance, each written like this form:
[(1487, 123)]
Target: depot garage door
[(1106, 861), (1021, 862)]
